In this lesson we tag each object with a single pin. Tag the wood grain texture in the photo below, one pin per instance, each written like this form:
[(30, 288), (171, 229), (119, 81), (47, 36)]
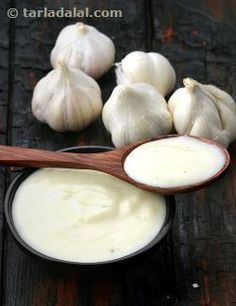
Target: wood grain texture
[(219, 10), (202, 247), (27, 282), (204, 234), (4, 96)]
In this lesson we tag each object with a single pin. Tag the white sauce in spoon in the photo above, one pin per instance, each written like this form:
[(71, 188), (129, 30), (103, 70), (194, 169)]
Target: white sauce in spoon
[(85, 215), (174, 162)]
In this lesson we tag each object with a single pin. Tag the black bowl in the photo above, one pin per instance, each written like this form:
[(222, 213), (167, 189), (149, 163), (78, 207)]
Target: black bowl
[(83, 149)]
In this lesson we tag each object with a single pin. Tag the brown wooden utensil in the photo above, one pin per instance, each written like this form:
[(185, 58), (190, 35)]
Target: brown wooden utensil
[(110, 162)]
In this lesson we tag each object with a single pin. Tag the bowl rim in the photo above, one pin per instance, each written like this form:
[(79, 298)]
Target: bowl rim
[(25, 172)]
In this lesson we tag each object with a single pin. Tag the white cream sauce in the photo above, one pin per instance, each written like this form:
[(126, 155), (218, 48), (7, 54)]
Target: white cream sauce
[(174, 162), (85, 215)]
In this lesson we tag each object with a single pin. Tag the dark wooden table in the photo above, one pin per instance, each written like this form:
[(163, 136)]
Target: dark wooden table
[(196, 264)]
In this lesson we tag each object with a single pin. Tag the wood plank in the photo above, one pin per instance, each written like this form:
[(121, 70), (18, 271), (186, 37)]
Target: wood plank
[(4, 98), (220, 10), (30, 283), (204, 233)]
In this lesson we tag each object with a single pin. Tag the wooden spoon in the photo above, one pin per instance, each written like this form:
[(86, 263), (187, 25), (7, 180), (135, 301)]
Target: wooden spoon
[(110, 162)]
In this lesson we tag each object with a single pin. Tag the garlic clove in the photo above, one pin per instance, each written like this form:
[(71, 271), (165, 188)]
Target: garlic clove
[(135, 112), (226, 108), (84, 47), (204, 111), (67, 99), (152, 68)]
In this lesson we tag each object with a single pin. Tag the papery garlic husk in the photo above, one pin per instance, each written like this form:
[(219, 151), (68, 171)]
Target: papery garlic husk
[(67, 99), (84, 47), (135, 112), (204, 111), (152, 68)]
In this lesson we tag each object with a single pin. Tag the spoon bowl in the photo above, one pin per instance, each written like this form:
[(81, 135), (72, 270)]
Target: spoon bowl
[(111, 162)]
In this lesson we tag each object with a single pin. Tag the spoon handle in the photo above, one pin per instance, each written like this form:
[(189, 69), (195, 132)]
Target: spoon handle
[(35, 158)]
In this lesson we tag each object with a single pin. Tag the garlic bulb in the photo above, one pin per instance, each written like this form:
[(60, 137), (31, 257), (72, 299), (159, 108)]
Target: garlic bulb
[(152, 68), (205, 111), (135, 112), (84, 47), (66, 99)]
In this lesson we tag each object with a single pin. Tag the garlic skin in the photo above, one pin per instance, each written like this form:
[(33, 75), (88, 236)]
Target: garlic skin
[(66, 99), (84, 47), (204, 111), (135, 112), (152, 68)]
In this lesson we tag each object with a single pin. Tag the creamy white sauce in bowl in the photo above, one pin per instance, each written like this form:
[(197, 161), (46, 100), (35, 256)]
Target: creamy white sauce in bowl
[(174, 162), (83, 216)]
